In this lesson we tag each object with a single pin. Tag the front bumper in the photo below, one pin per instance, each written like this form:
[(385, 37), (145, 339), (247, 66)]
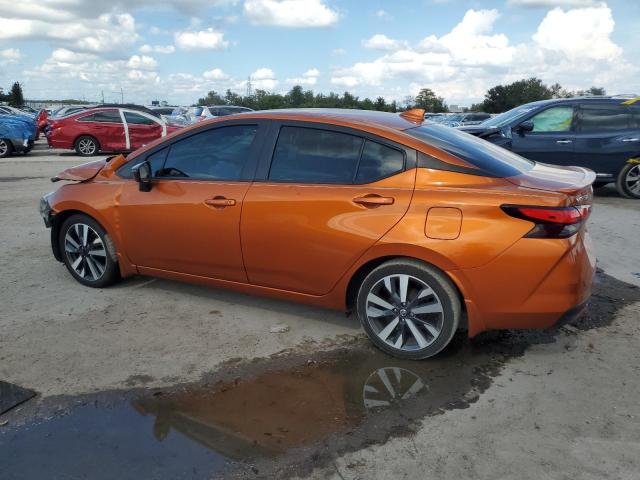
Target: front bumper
[(46, 212)]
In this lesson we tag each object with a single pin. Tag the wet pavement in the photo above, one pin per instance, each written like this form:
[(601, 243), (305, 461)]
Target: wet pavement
[(267, 418)]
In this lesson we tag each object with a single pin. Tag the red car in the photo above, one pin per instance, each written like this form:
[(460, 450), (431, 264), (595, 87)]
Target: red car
[(106, 129)]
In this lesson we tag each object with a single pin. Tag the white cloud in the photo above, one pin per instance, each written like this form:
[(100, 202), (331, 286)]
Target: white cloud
[(166, 49), (552, 3), (201, 40), (338, 52), (290, 13), (264, 79), (345, 81), (381, 14), (142, 62), (310, 77), (215, 74), (382, 42), (10, 54)]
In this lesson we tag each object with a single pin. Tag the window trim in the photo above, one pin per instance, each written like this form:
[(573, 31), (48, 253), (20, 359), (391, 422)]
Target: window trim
[(248, 170), (262, 174)]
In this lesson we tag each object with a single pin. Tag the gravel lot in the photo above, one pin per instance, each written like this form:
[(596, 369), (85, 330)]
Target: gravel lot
[(563, 407)]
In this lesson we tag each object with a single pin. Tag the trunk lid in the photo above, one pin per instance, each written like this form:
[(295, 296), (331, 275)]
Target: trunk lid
[(575, 182)]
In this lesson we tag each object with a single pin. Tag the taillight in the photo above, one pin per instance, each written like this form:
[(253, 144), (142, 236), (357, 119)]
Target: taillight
[(550, 222)]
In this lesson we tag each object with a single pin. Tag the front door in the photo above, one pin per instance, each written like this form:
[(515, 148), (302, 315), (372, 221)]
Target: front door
[(142, 129), (552, 139), (190, 220), (328, 197)]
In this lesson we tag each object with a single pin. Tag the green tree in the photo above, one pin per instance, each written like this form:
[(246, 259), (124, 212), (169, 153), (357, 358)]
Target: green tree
[(429, 101), (295, 97), (591, 92), (380, 104), (505, 97), (212, 98), (16, 99)]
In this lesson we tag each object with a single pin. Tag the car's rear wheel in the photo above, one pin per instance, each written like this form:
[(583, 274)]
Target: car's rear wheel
[(628, 183), (5, 148), (408, 309), (86, 146), (88, 252)]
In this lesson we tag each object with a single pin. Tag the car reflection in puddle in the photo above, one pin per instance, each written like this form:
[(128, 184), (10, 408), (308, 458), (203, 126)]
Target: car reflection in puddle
[(340, 400)]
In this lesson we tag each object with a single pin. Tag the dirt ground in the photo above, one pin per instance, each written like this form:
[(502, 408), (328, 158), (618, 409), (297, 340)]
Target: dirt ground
[(565, 407)]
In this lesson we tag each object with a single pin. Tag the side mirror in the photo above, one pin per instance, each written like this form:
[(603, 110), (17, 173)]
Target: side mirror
[(142, 175), (526, 126)]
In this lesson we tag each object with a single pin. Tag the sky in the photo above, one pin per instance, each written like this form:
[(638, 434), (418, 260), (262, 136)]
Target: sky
[(178, 50)]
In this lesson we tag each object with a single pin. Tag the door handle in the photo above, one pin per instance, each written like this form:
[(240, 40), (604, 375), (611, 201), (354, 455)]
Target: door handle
[(220, 202), (631, 139), (373, 200), (563, 141)]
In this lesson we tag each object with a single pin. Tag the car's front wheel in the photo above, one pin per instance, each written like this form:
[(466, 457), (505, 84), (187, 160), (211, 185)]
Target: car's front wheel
[(5, 148), (86, 146), (88, 252), (628, 183), (408, 309)]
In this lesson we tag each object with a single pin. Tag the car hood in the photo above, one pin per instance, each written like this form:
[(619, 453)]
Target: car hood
[(568, 180), (89, 170)]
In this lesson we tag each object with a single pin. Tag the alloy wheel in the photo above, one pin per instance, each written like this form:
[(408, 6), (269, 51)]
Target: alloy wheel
[(404, 312), (87, 146), (4, 148), (632, 180), (85, 251)]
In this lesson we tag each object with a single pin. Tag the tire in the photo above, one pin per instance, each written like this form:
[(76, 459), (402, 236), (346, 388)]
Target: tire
[(90, 257), (6, 148), (402, 331), (86, 146), (600, 184), (628, 182)]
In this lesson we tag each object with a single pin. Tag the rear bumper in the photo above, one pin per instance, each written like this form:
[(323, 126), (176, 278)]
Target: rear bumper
[(536, 283), (22, 145)]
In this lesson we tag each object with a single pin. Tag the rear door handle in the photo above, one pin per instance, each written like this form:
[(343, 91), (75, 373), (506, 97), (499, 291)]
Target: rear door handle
[(220, 202), (631, 139), (373, 200), (563, 141)]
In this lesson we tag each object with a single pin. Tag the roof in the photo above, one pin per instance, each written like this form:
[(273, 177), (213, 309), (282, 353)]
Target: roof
[(369, 118)]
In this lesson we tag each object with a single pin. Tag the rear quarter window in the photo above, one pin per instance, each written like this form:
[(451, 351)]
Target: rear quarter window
[(604, 117), (492, 160)]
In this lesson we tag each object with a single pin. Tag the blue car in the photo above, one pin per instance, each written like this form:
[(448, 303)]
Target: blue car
[(600, 133), (17, 134)]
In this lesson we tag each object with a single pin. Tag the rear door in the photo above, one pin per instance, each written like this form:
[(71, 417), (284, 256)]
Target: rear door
[(607, 136), (552, 139), (141, 128), (324, 196), (107, 127)]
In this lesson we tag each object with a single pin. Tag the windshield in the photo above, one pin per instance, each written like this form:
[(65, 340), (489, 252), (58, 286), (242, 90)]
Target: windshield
[(507, 117), (491, 159)]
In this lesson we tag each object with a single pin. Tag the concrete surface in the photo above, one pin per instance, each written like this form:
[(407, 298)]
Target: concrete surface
[(566, 409)]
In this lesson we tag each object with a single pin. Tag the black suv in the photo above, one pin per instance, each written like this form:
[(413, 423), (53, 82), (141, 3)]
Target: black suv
[(600, 133)]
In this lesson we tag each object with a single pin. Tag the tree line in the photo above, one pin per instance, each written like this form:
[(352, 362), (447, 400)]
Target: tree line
[(497, 99), (14, 97)]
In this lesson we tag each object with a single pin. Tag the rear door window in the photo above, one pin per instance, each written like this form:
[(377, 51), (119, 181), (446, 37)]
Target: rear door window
[(604, 117), (137, 119), (216, 154), (108, 116), (378, 161), (554, 119), (312, 155)]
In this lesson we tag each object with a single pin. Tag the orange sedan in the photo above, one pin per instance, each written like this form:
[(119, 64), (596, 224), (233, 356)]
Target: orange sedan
[(418, 228)]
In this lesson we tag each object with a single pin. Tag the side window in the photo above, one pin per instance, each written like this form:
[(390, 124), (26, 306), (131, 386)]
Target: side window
[(554, 119), (378, 161), (599, 117), (310, 155), (217, 154), (136, 119), (108, 116), (155, 159)]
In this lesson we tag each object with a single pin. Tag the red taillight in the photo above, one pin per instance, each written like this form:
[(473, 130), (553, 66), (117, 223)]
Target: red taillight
[(550, 222)]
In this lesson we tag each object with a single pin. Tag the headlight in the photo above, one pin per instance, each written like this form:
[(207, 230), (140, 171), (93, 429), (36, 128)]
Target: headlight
[(45, 209)]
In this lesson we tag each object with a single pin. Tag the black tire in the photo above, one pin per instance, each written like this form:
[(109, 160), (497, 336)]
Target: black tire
[(600, 184), (625, 184), (86, 146), (6, 148), (86, 262), (445, 293)]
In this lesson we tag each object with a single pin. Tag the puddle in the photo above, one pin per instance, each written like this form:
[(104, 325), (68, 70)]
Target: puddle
[(345, 399), (269, 418)]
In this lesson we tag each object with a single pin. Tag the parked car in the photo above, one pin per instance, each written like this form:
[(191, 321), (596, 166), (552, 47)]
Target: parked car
[(7, 110), (69, 110), (106, 129), (224, 110), (17, 135), (461, 119), (600, 133), (406, 222)]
